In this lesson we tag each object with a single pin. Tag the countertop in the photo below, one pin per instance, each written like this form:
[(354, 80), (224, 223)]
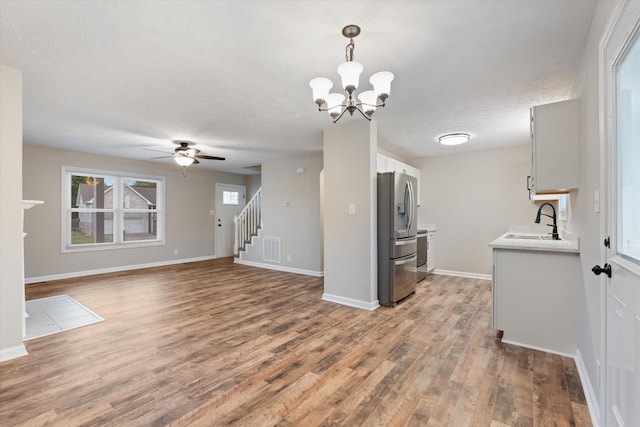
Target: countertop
[(568, 243)]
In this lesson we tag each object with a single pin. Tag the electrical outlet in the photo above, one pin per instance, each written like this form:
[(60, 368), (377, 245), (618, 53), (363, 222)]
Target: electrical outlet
[(288, 258), (176, 251), (597, 373)]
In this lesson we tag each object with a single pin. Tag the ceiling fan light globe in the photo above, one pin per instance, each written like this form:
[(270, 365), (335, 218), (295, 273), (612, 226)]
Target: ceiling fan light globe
[(184, 160)]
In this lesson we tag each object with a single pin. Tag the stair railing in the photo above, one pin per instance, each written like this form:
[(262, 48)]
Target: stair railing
[(248, 222)]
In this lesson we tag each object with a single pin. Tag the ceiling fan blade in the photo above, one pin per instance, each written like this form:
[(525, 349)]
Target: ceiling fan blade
[(204, 156), (157, 151), (161, 157)]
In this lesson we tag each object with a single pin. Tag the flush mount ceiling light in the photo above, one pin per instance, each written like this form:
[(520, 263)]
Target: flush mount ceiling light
[(350, 73), (454, 138)]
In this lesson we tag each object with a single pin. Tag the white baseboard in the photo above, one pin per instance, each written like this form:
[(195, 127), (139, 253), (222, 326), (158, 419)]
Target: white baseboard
[(279, 268), (462, 274), (70, 275), (589, 392), (13, 352), (351, 302), (534, 347)]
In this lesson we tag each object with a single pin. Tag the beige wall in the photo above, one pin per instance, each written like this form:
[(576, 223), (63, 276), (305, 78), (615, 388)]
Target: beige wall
[(298, 223), (350, 241), (189, 227), (473, 198), (11, 273)]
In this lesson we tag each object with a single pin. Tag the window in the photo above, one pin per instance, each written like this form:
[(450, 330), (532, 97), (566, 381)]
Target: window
[(230, 197), (628, 149), (107, 210)]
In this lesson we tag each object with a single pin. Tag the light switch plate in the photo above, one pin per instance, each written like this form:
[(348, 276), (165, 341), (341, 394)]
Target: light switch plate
[(596, 201)]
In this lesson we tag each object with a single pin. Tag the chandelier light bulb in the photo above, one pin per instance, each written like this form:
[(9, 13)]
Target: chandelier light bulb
[(350, 73), (369, 100), (320, 87), (381, 82), (334, 104)]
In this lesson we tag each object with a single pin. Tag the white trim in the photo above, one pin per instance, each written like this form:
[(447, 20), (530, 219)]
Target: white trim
[(30, 280), (279, 268), (119, 179), (13, 352), (533, 347), (463, 274), (351, 302), (589, 393)]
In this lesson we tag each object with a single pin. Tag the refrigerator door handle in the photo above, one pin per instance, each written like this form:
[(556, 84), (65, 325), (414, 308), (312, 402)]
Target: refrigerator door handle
[(406, 242), (405, 261), (411, 206)]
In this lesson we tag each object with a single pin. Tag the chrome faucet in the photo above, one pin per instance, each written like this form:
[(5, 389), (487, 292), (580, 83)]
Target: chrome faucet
[(554, 233)]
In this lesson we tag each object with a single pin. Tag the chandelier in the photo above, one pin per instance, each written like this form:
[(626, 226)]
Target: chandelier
[(350, 71)]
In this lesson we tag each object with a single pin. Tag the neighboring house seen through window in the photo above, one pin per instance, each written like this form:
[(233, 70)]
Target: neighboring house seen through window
[(106, 210)]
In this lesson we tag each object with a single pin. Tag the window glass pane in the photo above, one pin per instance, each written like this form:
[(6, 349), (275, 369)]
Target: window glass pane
[(230, 197), (628, 155), (91, 227), (91, 192), (139, 194), (139, 226)]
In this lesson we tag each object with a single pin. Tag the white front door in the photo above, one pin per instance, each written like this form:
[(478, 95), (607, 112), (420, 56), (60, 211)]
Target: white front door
[(621, 53), (230, 199)]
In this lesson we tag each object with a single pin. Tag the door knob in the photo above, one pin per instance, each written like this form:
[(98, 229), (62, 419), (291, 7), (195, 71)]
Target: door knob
[(597, 270)]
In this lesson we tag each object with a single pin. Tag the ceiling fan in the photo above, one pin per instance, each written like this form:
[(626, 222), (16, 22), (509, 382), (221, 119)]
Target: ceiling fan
[(184, 155)]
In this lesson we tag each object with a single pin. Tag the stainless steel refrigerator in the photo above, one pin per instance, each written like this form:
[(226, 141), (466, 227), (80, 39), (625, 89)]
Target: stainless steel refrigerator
[(397, 232)]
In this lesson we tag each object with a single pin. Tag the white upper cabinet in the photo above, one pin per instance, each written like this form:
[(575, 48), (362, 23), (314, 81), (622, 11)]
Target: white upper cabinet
[(554, 148)]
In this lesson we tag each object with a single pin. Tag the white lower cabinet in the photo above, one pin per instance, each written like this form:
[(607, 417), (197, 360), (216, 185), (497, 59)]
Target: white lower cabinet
[(534, 299), (431, 250)]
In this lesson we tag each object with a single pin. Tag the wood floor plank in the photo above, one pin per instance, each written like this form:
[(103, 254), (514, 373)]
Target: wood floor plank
[(213, 343)]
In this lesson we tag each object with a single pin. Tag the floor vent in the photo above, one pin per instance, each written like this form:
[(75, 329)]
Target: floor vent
[(271, 249)]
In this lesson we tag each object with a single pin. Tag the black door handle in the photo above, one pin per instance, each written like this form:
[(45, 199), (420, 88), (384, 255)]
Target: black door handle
[(597, 270)]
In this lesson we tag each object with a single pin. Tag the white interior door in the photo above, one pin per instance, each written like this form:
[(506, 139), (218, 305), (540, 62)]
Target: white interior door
[(622, 141), (230, 200)]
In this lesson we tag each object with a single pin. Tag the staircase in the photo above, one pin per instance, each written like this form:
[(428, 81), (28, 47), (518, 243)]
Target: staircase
[(248, 223)]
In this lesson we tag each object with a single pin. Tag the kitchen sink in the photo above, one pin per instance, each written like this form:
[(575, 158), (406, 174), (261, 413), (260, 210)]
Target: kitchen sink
[(528, 236)]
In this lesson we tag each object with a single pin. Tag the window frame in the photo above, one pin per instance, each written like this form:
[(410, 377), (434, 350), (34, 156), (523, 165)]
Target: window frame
[(118, 210)]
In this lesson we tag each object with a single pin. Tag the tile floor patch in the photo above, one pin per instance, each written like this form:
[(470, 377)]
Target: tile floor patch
[(56, 314)]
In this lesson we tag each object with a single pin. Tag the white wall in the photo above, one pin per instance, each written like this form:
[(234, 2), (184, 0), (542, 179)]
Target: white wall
[(189, 227), (586, 222), (11, 273), (350, 241), (298, 223), (473, 198)]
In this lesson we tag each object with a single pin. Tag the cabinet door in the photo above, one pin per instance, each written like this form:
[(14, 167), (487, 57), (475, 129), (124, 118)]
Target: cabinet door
[(554, 146)]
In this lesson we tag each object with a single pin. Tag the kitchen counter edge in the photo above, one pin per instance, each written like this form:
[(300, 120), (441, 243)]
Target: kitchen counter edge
[(570, 244)]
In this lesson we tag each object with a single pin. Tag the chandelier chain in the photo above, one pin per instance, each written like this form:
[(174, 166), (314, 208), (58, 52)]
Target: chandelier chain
[(348, 56)]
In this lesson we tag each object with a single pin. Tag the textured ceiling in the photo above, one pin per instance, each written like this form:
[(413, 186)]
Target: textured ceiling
[(121, 77)]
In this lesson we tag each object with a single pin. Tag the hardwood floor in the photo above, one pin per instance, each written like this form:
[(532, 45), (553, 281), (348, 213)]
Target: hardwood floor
[(213, 343)]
